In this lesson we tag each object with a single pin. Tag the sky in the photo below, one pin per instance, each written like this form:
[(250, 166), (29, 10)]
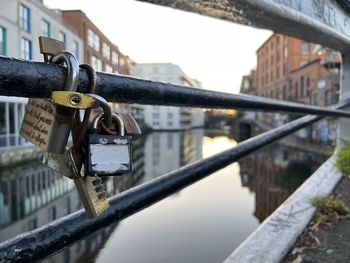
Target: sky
[(216, 52)]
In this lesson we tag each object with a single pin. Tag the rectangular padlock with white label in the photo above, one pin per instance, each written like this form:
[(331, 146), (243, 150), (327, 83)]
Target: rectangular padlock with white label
[(107, 154)]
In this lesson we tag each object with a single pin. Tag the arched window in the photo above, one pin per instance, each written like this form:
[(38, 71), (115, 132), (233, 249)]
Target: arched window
[(307, 82), (302, 86)]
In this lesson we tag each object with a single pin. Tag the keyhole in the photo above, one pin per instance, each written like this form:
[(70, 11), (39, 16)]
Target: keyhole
[(75, 100)]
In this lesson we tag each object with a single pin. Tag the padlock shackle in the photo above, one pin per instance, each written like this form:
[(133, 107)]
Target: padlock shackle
[(100, 117), (107, 112), (72, 69)]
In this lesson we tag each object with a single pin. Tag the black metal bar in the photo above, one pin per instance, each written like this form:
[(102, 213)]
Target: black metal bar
[(63, 232), (35, 79), (322, 22)]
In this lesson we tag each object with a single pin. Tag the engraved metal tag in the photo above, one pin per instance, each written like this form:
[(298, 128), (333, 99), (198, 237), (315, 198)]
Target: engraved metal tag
[(37, 122), (46, 125)]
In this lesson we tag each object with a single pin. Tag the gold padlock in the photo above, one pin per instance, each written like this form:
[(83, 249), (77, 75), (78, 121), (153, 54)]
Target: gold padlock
[(72, 99)]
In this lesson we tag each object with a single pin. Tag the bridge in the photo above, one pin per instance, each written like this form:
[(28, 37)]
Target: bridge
[(319, 21)]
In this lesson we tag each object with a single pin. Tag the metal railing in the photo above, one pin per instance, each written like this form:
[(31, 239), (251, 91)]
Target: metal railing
[(35, 79)]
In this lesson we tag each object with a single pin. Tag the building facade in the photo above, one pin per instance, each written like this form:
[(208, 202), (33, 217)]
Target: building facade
[(166, 117), (21, 23), (98, 50), (294, 70), (248, 83), (276, 58)]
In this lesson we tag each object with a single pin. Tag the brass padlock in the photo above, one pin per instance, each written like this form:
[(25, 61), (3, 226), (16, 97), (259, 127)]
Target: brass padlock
[(46, 124)]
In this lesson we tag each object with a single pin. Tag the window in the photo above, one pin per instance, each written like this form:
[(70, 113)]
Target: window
[(76, 49), (304, 48), (2, 41), (24, 14), (108, 69), (122, 63), (303, 62), (316, 99), (307, 82), (246, 84), (96, 63), (26, 49), (297, 91), (12, 119), (67, 205), (328, 97), (62, 37), (93, 40), (302, 86), (285, 92), (277, 93), (45, 28), (321, 84), (3, 118), (52, 213), (106, 51), (115, 57)]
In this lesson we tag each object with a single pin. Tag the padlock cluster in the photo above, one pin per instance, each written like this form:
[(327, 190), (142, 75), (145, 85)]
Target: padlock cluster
[(101, 141)]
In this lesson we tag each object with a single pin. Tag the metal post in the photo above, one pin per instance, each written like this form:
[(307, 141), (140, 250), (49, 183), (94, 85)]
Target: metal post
[(344, 94)]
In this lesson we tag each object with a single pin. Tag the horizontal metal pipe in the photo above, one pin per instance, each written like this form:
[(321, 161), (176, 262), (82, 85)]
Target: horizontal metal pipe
[(322, 22), (35, 79), (63, 232)]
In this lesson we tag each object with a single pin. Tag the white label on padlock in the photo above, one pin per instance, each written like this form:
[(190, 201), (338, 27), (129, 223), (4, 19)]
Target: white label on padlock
[(36, 126), (109, 158)]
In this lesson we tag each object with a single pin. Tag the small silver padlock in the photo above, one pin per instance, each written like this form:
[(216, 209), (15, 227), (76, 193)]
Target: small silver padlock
[(106, 153), (45, 124)]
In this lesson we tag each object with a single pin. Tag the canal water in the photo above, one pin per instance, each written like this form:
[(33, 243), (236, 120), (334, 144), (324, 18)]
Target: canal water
[(202, 223)]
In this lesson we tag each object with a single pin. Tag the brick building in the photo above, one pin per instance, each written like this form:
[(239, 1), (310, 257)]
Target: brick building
[(276, 58), (314, 84), (99, 51), (294, 70)]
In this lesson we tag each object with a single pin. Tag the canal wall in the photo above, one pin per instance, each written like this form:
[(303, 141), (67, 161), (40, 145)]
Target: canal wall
[(274, 237), (15, 155)]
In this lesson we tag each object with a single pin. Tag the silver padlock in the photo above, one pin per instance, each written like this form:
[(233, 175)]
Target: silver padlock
[(131, 126), (45, 124), (106, 153)]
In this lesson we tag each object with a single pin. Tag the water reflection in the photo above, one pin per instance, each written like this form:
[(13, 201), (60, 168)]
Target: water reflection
[(274, 174), (205, 221), (32, 195)]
